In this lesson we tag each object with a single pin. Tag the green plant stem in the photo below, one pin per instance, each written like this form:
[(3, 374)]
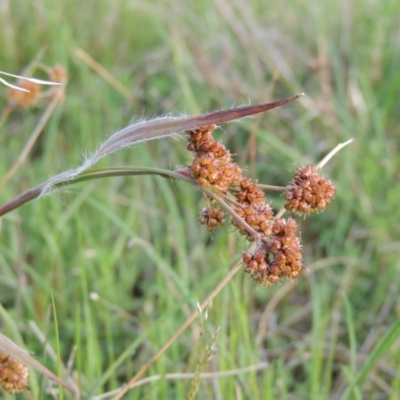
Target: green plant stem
[(88, 175), (34, 193)]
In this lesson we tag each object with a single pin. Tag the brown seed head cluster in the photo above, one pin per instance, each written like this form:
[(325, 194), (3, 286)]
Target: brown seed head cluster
[(212, 166), (278, 251), (33, 90), (249, 193), (24, 98), (212, 217), (13, 374), (258, 216), (255, 211), (308, 192), (277, 256)]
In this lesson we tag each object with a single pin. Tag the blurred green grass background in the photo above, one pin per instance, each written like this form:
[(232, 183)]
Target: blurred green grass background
[(126, 260)]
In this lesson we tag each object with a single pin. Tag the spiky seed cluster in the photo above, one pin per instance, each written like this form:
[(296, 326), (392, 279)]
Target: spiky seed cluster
[(212, 165), (258, 216), (257, 266), (249, 193), (255, 211), (277, 256), (285, 247), (24, 98), (308, 192), (278, 251), (13, 374), (212, 217)]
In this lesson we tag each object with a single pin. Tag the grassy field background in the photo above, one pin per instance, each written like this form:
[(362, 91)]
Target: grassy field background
[(124, 259)]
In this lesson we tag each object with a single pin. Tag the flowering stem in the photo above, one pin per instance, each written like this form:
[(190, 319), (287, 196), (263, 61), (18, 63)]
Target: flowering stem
[(280, 213), (230, 200), (18, 201), (37, 191), (271, 187)]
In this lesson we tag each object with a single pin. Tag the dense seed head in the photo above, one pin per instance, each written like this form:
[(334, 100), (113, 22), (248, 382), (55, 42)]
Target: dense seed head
[(13, 374), (212, 217), (308, 192), (278, 255), (26, 98)]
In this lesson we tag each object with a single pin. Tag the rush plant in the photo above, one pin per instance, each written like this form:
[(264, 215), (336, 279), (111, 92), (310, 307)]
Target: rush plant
[(275, 250)]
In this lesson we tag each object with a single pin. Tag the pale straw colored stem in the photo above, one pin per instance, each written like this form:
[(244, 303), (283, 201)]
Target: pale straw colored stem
[(271, 187), (339, 147)]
